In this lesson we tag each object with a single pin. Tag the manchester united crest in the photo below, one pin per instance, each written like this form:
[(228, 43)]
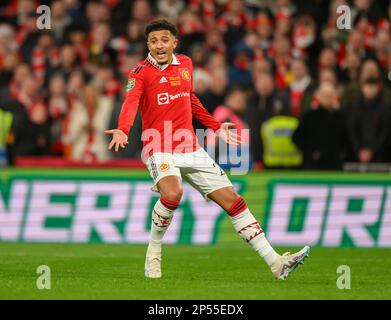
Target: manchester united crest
[(164, 166), (185, 74)]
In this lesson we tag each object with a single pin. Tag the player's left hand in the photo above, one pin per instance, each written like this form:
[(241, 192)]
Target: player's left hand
[(225, 133), (120, 139)]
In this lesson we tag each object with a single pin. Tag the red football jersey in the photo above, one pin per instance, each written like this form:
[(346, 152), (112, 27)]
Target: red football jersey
[(167, 100)]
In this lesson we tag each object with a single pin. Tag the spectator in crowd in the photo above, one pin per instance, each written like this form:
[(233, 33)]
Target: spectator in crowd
[(216, 61), (88, 119), (266, 102), (8, 42), (77, 37), (9, 64), (30, 126), (74, 10), (234, 22), (74, 93), (100, 51), (131, 58), (300, 86), (356, 43), (369, 69), (208, 9), (58, 103), (216, 92), (281, 54), (328, 59), (67, 63), (95, 13), (6, 119), (34, 137), (191, 30), (260, 66), (17, 136), (351, 67), (45, 56), (106, 82), (383, 48), (141, 11), (251, 40), (135, 38), (75, 85), (305, 43), (321, 134), (201, 80), (60, 20), (39, 133), (240, 70), (20, 73), (198, 55), (286, 6), (328, 75), (369, 122), (214, 42), (171, 8), (29, 95), (279, 152), (27, 35), (264, 30), (233, 110), (283, 18), (132, 42)]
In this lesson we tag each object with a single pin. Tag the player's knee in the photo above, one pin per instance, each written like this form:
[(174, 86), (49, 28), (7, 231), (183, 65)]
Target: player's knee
[(173, 194)]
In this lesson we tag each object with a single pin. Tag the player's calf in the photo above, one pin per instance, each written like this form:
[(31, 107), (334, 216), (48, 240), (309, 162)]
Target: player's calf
[(162, 214), (249, 230)]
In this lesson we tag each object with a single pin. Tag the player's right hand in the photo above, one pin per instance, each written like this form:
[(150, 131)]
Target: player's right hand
[(119, 139)]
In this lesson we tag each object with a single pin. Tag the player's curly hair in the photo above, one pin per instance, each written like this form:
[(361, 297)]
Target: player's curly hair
[(161, 24)]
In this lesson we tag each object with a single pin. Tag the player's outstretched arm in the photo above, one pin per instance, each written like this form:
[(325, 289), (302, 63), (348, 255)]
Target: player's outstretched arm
[(230, 137), (119, 139)]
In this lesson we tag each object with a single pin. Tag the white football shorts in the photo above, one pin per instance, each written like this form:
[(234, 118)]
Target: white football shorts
[(197, 168)]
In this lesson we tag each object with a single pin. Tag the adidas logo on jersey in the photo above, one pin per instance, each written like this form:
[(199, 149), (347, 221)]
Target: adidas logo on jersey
[(163, 80)]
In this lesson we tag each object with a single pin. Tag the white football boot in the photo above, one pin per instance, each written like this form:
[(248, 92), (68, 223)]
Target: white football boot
[(288, 262), (152, 267)]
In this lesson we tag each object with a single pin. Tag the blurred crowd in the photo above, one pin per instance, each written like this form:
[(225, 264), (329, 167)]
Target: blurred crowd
[(313, 96)]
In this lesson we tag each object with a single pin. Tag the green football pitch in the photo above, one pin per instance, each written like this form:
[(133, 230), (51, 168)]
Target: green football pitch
[(222, 271)]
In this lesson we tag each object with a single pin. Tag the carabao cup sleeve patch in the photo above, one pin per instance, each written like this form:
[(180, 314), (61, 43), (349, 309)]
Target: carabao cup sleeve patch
[(130, 85)]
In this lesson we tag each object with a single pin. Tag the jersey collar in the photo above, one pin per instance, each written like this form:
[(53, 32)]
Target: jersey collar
[(152, 60)]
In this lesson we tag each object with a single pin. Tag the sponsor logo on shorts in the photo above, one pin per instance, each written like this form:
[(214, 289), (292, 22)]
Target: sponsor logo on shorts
[(164, 166)]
